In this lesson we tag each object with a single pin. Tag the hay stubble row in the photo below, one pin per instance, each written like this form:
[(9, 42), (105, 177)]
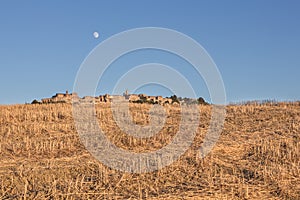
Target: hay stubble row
[(256, 157)]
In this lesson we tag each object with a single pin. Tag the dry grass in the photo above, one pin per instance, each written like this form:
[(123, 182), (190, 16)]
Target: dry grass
[(256, 157)]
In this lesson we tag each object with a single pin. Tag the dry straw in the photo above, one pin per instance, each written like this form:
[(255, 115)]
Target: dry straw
[(256, 157)]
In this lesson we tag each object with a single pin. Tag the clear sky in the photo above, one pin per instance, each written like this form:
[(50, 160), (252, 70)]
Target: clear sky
[(255, 44)]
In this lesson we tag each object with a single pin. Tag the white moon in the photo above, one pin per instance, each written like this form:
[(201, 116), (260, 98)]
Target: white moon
[(96, 35)]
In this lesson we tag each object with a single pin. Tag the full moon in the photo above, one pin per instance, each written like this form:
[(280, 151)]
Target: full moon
[(96, 35)]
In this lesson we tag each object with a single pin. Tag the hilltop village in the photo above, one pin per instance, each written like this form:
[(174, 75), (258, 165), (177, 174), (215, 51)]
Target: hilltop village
[(132, 98)]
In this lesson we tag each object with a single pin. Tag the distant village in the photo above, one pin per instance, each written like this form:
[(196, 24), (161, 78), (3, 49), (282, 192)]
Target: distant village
[(132, 98)]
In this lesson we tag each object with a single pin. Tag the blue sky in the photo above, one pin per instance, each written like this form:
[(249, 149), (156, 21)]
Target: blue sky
[(255, 44)]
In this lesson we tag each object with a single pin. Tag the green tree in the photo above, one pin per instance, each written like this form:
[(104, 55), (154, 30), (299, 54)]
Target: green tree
[(174, 99), (201, 101)]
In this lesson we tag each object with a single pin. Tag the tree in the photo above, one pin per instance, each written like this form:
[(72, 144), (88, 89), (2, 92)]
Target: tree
[(174, 99), (35, 102), (201, 101)]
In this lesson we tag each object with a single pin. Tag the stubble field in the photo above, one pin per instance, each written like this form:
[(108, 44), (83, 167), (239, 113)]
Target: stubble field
[(256, 157)]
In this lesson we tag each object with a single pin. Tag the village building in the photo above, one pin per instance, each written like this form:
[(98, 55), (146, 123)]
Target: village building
[(133, 98), (117, 98), (104, 98), (61, 98)]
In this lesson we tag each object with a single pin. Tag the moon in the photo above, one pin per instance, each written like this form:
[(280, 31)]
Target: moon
[(96, 34)]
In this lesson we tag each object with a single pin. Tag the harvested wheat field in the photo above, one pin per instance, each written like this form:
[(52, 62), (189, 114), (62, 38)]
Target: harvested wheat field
[(256, 157)]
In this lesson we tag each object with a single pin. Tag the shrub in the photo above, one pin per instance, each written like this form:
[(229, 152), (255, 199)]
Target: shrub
[(201, 101), (36, 102)]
